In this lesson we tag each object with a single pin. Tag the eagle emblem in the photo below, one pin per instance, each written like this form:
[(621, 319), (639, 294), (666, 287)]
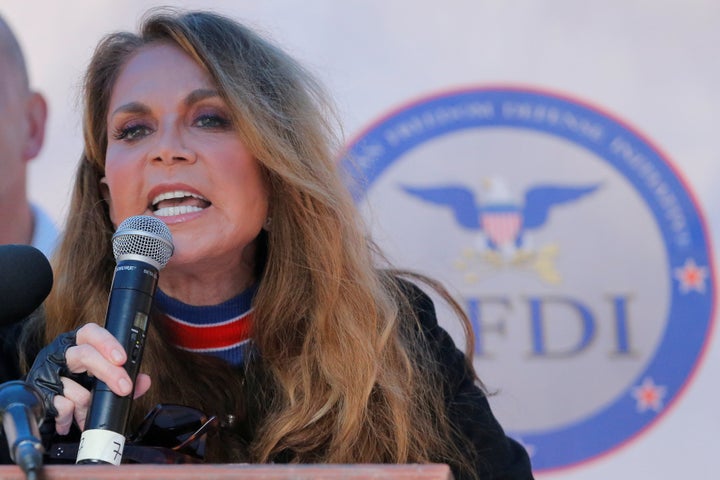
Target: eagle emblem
[(501, 222)]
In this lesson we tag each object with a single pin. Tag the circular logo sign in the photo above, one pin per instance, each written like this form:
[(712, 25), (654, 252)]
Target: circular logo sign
[(576, 249)]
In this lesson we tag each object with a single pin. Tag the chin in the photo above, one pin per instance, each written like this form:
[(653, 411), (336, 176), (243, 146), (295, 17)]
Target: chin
[(188, 251)]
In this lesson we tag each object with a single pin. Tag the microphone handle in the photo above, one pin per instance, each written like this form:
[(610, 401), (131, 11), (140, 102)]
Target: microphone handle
[(127, 318), (22, 408)]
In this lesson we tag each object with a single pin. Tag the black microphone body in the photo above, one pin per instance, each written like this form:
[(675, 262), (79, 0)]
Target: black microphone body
[(127, 316), (142, 247), (22, 413)]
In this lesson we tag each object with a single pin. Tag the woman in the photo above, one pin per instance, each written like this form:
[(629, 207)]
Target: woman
[(200, 122)]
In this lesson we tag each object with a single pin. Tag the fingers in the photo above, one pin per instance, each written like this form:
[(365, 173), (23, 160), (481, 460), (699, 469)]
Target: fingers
[(142, 385), (99, 354), (64, 418), (94, 351), (73, 404), (103, 341)]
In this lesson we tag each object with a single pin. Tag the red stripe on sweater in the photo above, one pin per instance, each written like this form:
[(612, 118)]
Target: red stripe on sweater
[(195, 337)]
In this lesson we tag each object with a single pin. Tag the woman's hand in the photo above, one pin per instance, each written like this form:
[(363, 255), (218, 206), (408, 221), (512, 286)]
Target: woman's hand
[(90, 350), (100, 355)]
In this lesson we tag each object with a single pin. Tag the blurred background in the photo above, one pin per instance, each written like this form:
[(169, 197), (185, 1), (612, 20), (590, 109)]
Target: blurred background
[(650, 64)]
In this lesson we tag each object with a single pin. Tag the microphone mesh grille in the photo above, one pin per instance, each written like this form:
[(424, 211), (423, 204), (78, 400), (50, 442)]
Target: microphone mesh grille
[(143, 236)]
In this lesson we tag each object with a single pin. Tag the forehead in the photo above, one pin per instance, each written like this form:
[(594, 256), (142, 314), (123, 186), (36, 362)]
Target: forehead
[(158, 68)]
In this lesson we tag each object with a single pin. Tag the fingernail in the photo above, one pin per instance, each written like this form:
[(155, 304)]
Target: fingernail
[(125, 386), (117, 356)]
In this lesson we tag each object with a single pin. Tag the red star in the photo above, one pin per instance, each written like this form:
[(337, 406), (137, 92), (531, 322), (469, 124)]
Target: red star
[(649, 396), (691, 276)]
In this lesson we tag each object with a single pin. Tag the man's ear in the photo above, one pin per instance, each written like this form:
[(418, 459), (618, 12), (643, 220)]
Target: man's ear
[(36, 116), (105, 192)]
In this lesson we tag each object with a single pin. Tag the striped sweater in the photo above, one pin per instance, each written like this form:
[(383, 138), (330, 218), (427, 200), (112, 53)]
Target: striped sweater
[(221, 330)]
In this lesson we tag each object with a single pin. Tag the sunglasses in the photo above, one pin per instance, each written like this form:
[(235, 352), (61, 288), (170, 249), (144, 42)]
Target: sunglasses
[(168, 434)]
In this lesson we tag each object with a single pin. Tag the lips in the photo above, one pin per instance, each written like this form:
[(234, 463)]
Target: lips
[(178, 202)]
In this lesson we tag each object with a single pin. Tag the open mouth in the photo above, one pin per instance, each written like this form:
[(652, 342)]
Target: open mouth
[(179, 202)]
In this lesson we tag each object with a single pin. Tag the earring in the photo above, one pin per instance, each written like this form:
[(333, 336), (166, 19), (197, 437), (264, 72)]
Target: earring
[(268, 222)]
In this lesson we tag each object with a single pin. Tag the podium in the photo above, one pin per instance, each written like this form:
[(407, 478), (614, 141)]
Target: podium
[(227, 471)]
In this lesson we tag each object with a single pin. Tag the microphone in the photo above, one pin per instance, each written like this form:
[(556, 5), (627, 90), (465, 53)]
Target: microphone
[(22, 412), (25, 280), (142, 246)]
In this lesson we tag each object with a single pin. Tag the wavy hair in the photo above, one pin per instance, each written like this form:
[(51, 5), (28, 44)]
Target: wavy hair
[(343, 374)]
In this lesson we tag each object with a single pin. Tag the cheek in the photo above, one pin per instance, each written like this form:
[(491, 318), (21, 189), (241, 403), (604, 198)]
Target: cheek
[(254, 194), (121, 171), (118, 191), (108, 194)]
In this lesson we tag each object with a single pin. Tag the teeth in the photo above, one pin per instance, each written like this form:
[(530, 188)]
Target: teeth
[(172, 211), (176, 194)]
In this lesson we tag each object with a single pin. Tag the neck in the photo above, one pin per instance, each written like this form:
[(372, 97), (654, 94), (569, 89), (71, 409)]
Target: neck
[(199, 278), (208, 286), (17, 221)]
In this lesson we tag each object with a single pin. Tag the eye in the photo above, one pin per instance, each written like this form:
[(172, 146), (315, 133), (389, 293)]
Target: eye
[(212, 120), (132, 132)]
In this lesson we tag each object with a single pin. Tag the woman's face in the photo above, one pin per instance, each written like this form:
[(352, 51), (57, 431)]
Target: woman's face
[(174, 153)]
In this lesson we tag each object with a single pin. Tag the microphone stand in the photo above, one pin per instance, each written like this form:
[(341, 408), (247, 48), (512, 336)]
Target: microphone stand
[(22, 411)]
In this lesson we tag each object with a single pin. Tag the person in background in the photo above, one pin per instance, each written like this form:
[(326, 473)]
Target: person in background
[(22, 131), (276, 313), (21, 137)]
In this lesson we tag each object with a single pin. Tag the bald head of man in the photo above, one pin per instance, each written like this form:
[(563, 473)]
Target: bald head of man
[(23, 113)]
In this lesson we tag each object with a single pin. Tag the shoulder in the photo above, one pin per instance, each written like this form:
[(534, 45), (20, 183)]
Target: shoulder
[(456, 366), (419, 301), (497, 455)]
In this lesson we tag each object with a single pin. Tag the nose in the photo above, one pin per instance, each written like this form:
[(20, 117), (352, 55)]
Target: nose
[(170, 148)]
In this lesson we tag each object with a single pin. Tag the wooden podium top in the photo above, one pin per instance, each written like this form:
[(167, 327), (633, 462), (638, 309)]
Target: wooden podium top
[(236, 472)]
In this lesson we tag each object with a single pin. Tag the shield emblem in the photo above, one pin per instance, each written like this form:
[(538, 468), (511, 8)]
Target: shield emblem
[(501, 224)]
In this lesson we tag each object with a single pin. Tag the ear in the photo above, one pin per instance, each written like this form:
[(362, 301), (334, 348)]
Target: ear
[(36, 116), (105, 192)]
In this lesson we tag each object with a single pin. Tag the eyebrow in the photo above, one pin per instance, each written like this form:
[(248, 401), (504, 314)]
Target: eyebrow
[(200, 94), (132, 107), (192, 98)]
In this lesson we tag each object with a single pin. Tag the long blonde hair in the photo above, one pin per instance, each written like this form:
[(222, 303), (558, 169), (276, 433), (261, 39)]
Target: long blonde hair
[(343, 373)]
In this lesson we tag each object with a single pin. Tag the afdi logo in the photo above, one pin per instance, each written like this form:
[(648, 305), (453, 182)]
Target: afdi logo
[(578, 251)]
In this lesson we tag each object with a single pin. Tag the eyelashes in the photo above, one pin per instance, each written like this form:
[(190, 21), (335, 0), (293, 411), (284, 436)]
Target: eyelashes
[(134, 130), (131, 132), (212, 121)]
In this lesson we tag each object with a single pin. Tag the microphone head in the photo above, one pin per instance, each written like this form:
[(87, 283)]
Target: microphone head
[(143, 238), (25, 280), (23, 393)]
